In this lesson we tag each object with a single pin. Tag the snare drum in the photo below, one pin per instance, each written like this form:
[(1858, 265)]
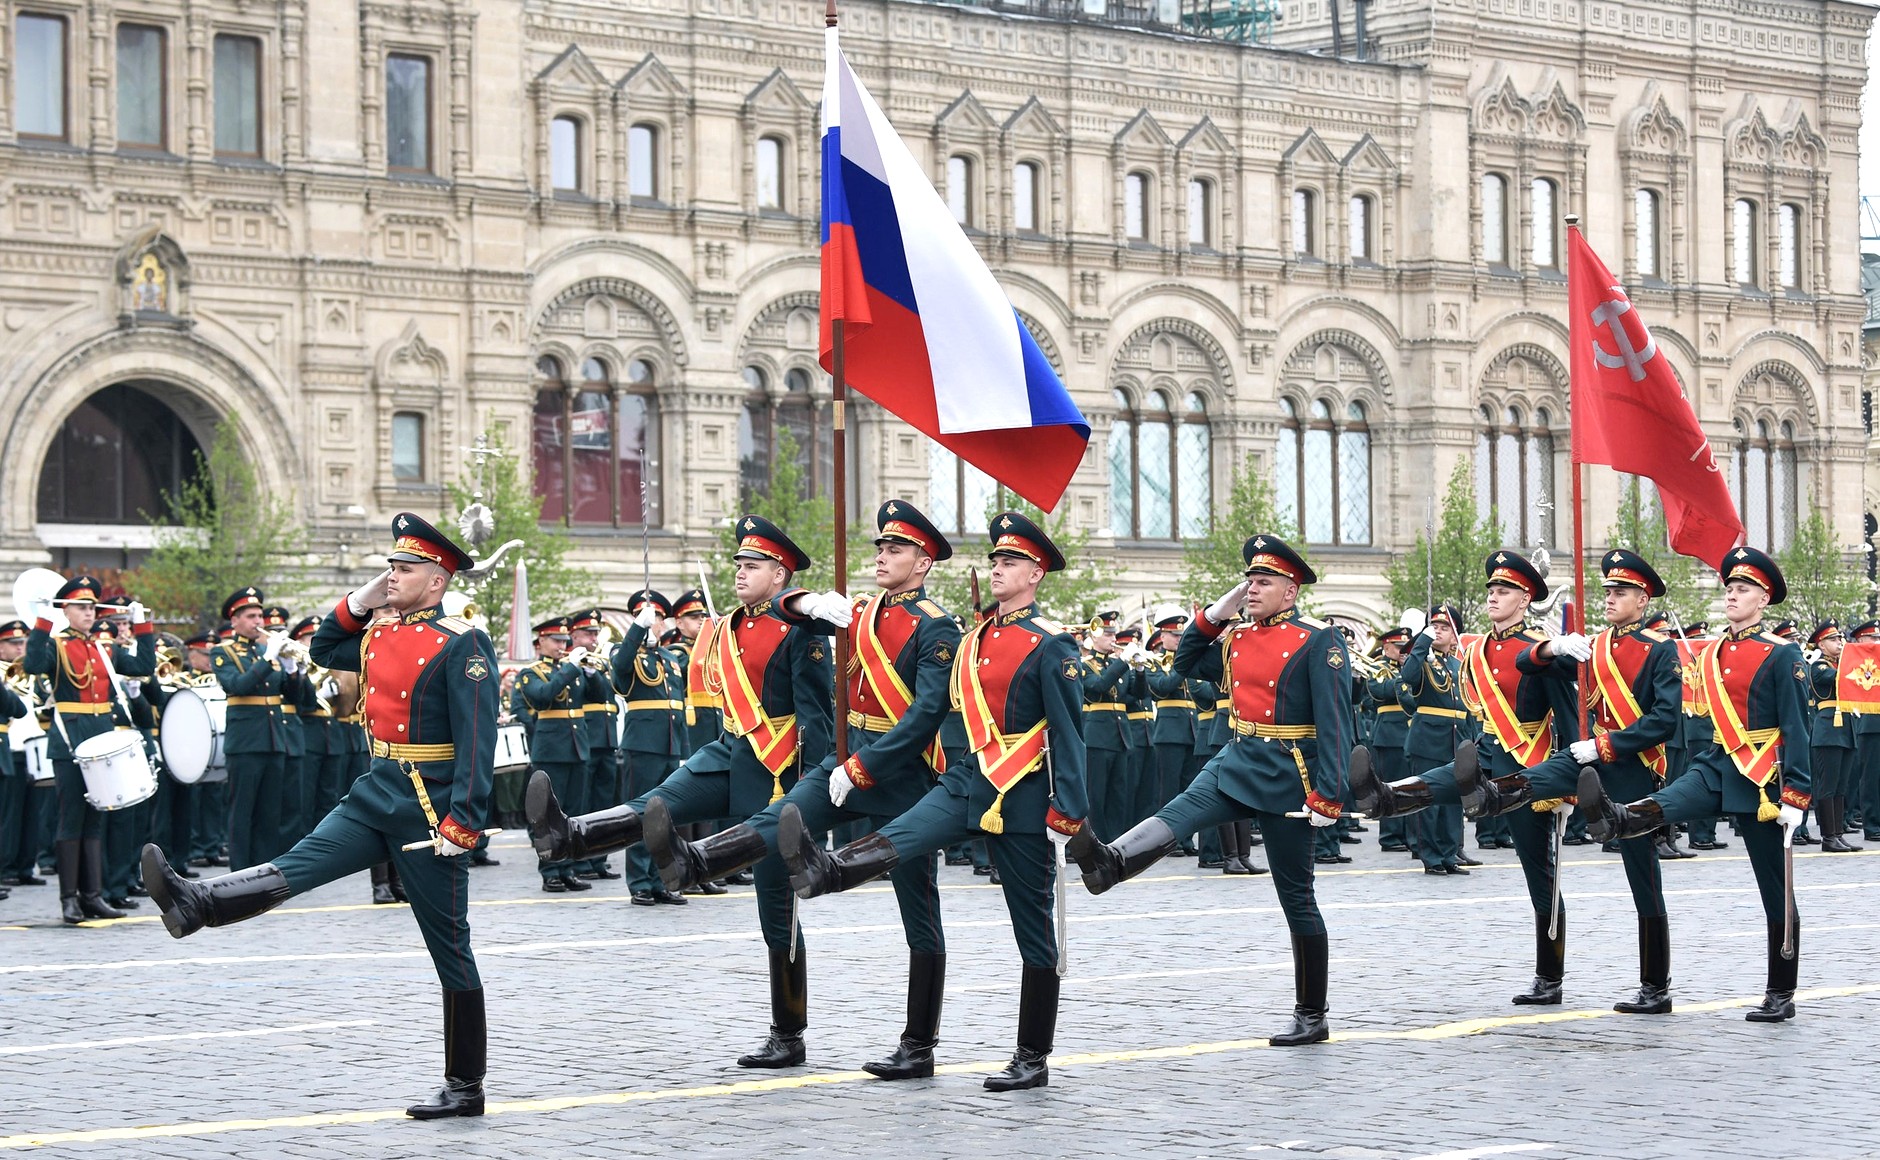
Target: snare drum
[(512, 748), (117, 773), (37, 764), (194, 721)]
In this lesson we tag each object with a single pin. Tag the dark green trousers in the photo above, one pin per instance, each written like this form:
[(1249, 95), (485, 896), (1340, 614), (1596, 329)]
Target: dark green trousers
[(1204, 805), (695, 796), (644, 773)]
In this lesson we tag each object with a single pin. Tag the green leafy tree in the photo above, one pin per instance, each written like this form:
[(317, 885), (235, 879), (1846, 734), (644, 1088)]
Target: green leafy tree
[(555, 585), (1821, 581), (1072, 596), (808, 518), (1450, 571), (1640, 527), (1213, 563), (218, 532)]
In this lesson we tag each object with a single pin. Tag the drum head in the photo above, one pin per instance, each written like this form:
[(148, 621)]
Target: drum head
[(189, 738), (24, 731), (106, 745)]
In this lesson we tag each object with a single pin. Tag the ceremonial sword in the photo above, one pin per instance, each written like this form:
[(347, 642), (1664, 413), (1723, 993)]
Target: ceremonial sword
[(1788, 887), (1560, 830), (431, 843), (1061, 890)]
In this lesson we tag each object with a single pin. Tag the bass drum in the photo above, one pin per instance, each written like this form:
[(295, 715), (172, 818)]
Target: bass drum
[(27, 738), (512, 748), (117, 772), (194, 721)]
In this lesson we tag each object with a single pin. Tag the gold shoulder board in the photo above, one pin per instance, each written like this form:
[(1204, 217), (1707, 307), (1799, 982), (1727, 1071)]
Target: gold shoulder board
[(930, 608), (1050, 626), (1652, 634), (454, 624), (1311, 623)]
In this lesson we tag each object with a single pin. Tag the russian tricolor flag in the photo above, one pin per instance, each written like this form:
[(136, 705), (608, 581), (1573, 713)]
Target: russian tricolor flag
[(927, 332)]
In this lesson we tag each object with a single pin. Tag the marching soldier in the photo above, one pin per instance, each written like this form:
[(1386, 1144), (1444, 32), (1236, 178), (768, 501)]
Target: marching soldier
[(1172, 732), (553, 688), (1756, 767), (293, 690), (690, 618), (16, 834), (430, 707), (254, 740), (1109, 681), (208, 825), (1136, 800), (315, 720), (600, 717), (1017, 682), (1293, 731), (655, 736), (1636, 699), (1391, 725), (1697, 730), (1431, 685), (1527, 704), (775, 685), (903, 645), (1832, 742), (1865, 773), (84, 707)]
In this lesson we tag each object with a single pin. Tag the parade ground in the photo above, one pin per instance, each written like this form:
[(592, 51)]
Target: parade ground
[(613, 1028)]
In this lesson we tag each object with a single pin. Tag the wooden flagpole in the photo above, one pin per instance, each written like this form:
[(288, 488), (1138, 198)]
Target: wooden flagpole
[(1579, 535), (839, 487)]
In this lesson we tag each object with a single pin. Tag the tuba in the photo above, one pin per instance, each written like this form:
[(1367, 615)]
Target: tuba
[(34, 590)]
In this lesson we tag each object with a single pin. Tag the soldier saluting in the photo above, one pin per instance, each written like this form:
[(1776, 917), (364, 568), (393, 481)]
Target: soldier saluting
[(1018, 685), (1293, 730), (1756, 766), (429, 691), (903, 646)]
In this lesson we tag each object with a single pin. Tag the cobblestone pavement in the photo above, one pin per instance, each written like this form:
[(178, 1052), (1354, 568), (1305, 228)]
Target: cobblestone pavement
[(613, 1028)]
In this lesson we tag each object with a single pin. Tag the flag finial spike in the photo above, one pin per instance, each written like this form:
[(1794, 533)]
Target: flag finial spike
[(1572, 219), (829, 13)]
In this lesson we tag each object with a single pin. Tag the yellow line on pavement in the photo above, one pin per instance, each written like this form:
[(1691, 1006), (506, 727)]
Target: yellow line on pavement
[(1453, 1030)]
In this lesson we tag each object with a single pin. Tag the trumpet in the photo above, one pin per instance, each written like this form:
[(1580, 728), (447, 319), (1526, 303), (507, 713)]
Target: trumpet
[(18, 679), (291, 648)]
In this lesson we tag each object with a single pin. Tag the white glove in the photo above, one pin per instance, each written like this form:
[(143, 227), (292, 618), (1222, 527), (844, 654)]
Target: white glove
[(289, 665), (1319, 821), (138, 612), (828, 607), (329, 689), (133, 690), (1228, 606), (1058, 837), (1573, 645), (276, 642), (841, 785), (647, 617), (1790, 819), (575, 656), (449, 849), (363, 600), (40, 610), (1585, 752), (1139, 655)]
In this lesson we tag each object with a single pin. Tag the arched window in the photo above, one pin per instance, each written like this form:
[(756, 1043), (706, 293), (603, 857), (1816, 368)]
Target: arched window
[(564, 154), (1160, 467), (1645, 232), (1305, 228), (1494, 219), (1514, 474), (1743, 248), (595, 444), (1789, 245), (770, 409), (754, 435), (770, 175), (1765, 483), (643, 162), (116, 458), (960, 189), (1322, 471), (1362, 228), (1136, 207), (1025, 197), (1200, 213), (960, 497), (1543, 197)]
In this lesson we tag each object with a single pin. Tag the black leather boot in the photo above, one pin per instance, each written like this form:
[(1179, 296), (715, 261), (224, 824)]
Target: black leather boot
[(1607, 820), (1830, 811), (1778, 1002), (1037, 1029), (1550, 965), (684, 865), (560, 838), (91, 881), (789, 1013), (466, 1053), (382, 885), (1488, 797), (1146, 843), (65, 851), (189, 906), (1311, 963), (926, 987), (814, 871), (1654, 970)]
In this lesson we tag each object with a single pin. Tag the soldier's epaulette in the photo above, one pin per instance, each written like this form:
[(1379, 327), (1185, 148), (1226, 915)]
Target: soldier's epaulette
[(1050, 626), (1652, 635), (929, 607), (453, 625), (1310, 623)]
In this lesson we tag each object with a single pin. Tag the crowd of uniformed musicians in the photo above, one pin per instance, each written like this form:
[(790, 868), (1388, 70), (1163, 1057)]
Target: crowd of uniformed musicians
[(995, 736)]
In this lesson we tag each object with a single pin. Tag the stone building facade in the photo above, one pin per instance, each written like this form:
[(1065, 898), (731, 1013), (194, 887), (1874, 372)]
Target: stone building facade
[(365, 232)]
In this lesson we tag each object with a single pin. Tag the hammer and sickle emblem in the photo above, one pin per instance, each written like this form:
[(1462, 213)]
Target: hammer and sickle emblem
[(1611, 314)]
